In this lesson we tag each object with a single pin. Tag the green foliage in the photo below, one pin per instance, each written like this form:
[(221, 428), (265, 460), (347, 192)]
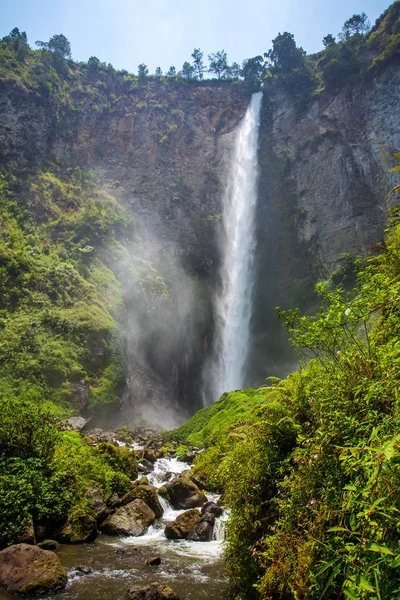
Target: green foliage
[(45, 472), (311, 467)]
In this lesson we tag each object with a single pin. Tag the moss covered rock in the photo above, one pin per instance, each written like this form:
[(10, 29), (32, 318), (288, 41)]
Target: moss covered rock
[(183, 493), (26, 569), (80, 528), (147, 493), (132, 519), (155, 591), (183, 525)]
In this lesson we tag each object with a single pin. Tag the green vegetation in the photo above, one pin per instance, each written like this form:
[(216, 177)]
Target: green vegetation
[(310, 464), (45, 472)]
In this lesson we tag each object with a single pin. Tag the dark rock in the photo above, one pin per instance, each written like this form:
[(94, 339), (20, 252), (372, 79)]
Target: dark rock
[(200, 484), (84, 570), (202, 532), (97, 504), (80, 528), (149, 495), (132, 519), (114, 500), (79, 396), (26, 569), (188, 458), (147, 466), (183, 493), (183, 525), (150, 455), (212, 508), (154, 561), (155, 591), (49, 545), (28, 536)]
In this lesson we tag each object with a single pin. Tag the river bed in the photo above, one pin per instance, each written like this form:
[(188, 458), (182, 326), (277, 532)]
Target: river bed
[(194, 570)]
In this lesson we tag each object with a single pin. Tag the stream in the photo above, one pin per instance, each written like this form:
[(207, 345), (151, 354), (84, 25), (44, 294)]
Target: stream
[(194, 570)]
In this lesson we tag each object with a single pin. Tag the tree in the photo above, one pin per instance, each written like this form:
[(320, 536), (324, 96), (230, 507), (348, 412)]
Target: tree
[(188, 71), (356, 25), (235, 70), (143, 71), (158, 72), (93, 63), (171, 72), (219, 64), (329, 40), (58, 44), (18, 36), (253, 72), (198, 65), (285, 55)]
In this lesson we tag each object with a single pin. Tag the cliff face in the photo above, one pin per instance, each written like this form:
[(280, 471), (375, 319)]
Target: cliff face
[(325, 177), (161, 147)]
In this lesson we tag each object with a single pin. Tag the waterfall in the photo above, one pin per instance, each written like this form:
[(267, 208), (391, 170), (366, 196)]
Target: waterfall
[(233, 303)]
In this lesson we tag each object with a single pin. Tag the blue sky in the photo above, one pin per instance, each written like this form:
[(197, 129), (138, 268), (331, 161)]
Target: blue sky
[(164, 32)]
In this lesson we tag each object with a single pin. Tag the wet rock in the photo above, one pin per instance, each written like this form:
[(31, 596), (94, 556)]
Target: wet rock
[(183, 525), (26, 569), (84, 570), (155, 591), (202, 532), (183, 493), (211, 508), (200, 484), (150, 455), (132, 519), (79, 528), (154, 561), (149, 495), (147, 466), (49, 545), (97, 504), (188, 458)]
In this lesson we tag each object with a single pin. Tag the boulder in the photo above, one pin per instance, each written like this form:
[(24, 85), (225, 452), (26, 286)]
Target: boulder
[(155, 591), (183, 493), (26, 569), (77, 423), (188, 457), (183, 525), (149, 495), (211, 508), (80, 528), (150, 455), (49, 545), (154, 561), (132, 519), (97, 504), (145, 466), (202, 532)]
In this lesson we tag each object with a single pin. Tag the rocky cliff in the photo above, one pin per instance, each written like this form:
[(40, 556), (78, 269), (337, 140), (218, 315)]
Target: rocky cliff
[(161, 148)]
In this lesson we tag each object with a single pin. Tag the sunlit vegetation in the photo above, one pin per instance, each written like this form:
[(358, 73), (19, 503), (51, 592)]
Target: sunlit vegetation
[(310, 465)]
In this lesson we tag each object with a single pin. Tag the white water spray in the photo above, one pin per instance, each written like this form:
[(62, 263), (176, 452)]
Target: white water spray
[(234, 301)]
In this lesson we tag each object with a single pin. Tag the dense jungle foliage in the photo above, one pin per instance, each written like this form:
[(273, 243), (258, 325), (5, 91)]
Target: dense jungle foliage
[(310, 465)]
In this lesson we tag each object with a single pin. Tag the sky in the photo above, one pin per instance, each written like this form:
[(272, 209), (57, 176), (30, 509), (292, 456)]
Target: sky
[(162, 33)]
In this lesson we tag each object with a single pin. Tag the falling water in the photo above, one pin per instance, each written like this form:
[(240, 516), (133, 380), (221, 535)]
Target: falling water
[(234, 300)]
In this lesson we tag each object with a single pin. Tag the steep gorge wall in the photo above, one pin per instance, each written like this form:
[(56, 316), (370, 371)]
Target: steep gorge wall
[(162, 148), (325, 178)]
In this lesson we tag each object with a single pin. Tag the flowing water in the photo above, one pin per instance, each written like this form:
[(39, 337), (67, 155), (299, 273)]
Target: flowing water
[(194, 570), (234, 301)]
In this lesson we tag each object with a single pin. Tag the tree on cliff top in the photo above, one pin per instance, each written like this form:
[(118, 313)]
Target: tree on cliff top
[(219, 64), (58, 44), (198, 65), (356, 25)]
